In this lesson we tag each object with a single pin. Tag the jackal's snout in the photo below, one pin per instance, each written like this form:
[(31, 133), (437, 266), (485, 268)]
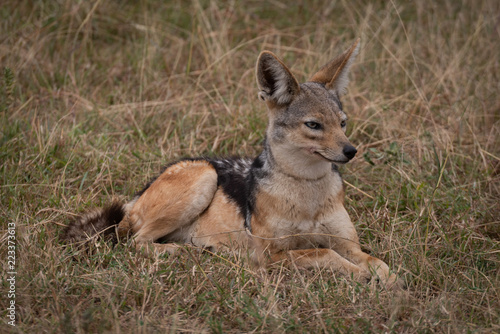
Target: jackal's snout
[(349, 151)]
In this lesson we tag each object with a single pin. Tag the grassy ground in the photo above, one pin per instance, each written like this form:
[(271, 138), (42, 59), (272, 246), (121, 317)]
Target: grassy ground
[(96, 96)]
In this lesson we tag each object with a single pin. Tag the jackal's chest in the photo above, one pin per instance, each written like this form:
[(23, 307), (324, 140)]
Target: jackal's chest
[(290, 206)]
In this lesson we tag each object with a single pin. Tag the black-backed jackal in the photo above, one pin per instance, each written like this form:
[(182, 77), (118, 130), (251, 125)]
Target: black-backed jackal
[(285, 205)]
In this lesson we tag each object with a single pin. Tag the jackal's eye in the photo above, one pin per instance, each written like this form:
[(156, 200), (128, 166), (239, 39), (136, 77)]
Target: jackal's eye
[(343, 124), (313, 125)]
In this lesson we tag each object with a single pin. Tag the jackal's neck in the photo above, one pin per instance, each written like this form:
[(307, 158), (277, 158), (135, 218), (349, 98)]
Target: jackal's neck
[(286, 159)]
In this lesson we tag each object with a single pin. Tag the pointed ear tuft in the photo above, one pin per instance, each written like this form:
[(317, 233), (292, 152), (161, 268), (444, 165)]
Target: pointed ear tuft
[(334, 75), (276, 82)]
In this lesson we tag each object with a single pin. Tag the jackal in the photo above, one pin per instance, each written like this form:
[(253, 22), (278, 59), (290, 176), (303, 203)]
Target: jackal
[(287, 204)]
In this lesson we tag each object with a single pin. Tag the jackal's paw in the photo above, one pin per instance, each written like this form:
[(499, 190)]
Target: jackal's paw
[(361, 276), (393, 282), (156, 249), (389, 281)]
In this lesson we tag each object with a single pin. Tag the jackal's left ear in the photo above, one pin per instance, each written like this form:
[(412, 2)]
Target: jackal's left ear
[(334, 74), (276, 82)]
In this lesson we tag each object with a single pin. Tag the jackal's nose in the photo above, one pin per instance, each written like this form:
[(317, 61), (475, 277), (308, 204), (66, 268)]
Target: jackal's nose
[(349, 151)]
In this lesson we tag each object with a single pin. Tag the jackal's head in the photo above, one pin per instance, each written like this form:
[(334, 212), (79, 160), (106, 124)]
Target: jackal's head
[(306, 121)]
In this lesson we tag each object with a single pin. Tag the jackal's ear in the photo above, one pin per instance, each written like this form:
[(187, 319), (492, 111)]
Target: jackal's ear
[(276, 82), (334, 74)]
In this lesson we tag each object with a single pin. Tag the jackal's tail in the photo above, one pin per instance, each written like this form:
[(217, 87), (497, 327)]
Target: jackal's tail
[(101, 221)]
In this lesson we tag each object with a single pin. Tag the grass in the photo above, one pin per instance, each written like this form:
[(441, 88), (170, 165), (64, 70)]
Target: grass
[(96, 96)]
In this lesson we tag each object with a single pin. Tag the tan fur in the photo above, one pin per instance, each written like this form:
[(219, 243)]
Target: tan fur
[(221, 226), (185, 204), (172, 203), (321, 258)]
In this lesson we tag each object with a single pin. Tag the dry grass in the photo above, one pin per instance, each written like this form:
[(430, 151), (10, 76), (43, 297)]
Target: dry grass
[(97, 95)]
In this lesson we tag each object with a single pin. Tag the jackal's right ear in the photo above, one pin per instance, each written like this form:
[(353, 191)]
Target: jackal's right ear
[(276, 82)]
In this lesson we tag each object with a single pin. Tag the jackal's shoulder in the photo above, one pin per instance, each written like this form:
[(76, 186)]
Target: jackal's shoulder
[(233, 178)]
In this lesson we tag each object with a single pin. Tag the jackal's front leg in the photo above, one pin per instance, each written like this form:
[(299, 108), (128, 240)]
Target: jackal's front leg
[(352, 252), (322, 258)]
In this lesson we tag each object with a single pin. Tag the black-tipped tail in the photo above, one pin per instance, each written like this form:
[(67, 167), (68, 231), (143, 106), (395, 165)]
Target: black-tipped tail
[(102, 221)]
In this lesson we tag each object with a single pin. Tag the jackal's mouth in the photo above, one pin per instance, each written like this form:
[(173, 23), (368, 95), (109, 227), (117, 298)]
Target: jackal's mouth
[(336, 161)]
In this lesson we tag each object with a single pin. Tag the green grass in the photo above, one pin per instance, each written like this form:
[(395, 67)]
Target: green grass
[(96, 96)]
